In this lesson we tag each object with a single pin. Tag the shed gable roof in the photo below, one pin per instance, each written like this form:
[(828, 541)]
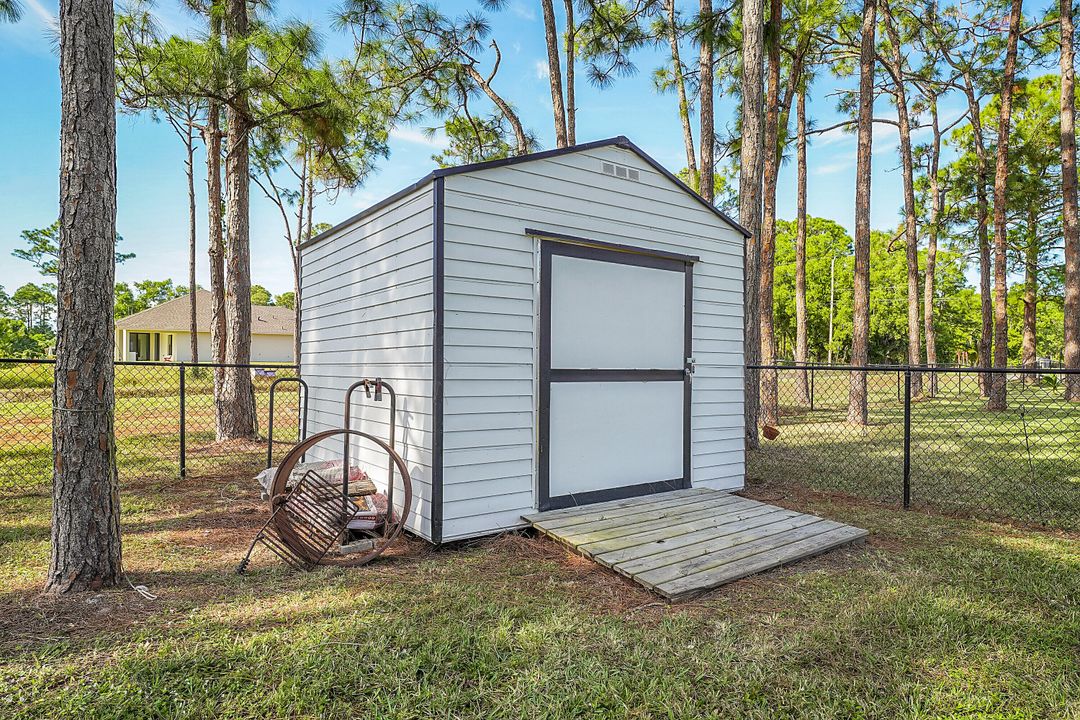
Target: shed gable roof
[(620, 141)]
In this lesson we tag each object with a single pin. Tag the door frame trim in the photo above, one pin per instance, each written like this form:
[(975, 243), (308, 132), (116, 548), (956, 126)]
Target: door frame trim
[(552, 244)]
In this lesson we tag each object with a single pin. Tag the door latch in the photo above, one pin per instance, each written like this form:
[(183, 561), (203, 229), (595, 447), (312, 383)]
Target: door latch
[(689, 368)]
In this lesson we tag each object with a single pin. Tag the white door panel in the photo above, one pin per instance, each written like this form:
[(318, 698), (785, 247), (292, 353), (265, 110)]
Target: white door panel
[(614, 397), (612, 434), (609, 315)]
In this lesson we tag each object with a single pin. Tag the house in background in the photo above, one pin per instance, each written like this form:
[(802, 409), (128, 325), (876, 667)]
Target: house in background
[(161, 333)]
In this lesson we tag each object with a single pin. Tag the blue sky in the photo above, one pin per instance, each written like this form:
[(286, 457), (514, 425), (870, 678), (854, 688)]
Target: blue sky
[(152, 196)]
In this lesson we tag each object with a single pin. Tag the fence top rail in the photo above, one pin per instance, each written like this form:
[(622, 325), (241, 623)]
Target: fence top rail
[(151, 363), (919, 369)]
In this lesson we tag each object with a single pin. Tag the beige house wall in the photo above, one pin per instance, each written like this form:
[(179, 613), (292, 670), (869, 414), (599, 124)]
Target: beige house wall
[(264, 348)]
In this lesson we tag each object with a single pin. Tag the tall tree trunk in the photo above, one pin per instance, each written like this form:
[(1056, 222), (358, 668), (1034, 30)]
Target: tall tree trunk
[(998, 400), (860, 335), (1071, 222), (193, 322), (770, 170), (931, 246), (215, 233), (238, 400), (85, 491), (911, 232), (551, 35), (684, 104), (802, 387), (750, 176), (982, 169), (571, 59), (706, 109), (1028, 342)]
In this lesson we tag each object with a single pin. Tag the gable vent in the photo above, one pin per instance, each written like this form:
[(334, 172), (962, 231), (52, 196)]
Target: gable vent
[(621, 171)]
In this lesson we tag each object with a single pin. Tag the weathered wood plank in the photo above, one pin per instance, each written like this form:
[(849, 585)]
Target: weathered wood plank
[(683, 542), (671, 513), (614, 528), (722, 532), (726, 544), (612, 504), (692, 584), (702, 563), (731, 513)]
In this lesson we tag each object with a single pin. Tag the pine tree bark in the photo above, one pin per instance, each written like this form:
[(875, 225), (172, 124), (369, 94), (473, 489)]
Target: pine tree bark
[(215, 201), (750, 177), (684, 103), (551, 35), (1028, 339), (770, 170), (85, 550), (998, 399), (706, 109), (860, 335), (238, 420), (982, 213), (193, 322), (911, 231), (931, 246), (1071, 222), (802, 386), (571, 59)]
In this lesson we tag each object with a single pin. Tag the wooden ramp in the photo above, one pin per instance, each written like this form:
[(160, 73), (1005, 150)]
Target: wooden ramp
[(685, 542)]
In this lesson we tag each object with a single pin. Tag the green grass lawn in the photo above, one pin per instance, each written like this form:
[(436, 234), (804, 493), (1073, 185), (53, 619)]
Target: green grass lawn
[(932, 617), (147, 421)]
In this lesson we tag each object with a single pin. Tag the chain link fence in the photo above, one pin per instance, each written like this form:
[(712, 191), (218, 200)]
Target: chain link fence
[(165, 421), (930, 441)]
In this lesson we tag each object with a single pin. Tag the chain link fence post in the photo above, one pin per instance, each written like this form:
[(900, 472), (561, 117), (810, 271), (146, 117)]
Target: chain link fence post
[(183, 423), (907, 439)]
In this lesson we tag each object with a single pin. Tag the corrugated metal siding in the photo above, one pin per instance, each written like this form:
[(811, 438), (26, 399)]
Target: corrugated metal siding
[(368, 311), (491, 306)]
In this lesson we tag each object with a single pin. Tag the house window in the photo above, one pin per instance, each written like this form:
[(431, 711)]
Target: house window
[(168, 346), (139, 343)]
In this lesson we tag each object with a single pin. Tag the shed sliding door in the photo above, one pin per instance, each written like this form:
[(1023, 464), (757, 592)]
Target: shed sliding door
[(615, 339)]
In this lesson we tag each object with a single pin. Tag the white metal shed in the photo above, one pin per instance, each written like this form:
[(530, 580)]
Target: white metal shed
[(561, 328)]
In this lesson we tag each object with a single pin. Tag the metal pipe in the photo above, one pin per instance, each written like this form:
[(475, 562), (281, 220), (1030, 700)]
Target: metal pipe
[(907, 439), (379, 385), (301, 421), (183, 423)]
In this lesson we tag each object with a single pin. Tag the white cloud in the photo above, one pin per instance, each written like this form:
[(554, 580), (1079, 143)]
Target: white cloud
[(46, 17), (840, 162), (541, 68), (417, 137), (523, 11)]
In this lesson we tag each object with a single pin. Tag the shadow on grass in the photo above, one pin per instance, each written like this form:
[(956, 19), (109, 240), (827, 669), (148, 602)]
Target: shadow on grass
[(485, 632)]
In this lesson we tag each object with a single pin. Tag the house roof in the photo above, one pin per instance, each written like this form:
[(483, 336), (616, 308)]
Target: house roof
[(620, 141), (172, 316)]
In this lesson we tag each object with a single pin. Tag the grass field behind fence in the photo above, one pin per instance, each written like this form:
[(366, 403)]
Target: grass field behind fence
[(147, 422), (1023, 462)]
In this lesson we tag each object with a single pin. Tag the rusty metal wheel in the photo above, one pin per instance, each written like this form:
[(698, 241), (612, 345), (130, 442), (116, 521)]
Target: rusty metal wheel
[(393, 525)]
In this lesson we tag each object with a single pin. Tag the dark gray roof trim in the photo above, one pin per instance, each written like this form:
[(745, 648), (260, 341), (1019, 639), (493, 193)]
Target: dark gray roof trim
[(619, 141)]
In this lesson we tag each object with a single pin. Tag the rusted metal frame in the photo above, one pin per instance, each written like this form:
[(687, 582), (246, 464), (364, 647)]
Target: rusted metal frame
[(310, 532), (290, 461)]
